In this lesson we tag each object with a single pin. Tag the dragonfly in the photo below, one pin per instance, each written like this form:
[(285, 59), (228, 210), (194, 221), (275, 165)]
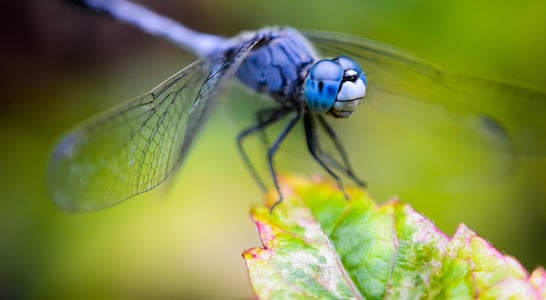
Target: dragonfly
[(314, 78)]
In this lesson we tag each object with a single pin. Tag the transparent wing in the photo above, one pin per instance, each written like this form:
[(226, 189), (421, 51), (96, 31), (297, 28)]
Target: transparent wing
[(485, 113), (419, 125), (134, 147)]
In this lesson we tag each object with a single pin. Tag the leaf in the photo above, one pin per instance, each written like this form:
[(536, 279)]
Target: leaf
[(317, 244)]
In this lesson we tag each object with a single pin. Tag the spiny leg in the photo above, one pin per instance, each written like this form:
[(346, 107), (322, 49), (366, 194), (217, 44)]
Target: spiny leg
[(275, 114), (315, 149), (271, 153), (348, 170)]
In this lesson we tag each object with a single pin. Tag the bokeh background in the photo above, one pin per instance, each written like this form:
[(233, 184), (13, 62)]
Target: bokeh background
[(61, 65)]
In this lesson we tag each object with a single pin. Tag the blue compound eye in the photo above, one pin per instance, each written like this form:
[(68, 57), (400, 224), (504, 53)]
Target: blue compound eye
[(322, 85), (349, 64)]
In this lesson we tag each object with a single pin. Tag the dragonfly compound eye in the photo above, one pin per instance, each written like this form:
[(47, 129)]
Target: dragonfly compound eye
[(352, 89), (322, 85), (335, 85)]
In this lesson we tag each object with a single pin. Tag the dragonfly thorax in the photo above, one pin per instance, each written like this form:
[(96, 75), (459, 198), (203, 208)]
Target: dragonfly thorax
[(334, 86), (278, 65)]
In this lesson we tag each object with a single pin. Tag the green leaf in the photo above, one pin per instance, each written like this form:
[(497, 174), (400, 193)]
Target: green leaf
[(317, 244)]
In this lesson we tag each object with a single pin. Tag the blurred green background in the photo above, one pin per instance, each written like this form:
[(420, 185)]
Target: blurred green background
[(61, 65)]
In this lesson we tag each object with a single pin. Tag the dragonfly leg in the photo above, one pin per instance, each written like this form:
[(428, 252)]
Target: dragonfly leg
[(273, 150), (348, 170), (266, 117), (315, 149), (261, 116)]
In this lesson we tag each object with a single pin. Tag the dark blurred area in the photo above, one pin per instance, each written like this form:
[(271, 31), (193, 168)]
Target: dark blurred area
[(61, 64), (47, 40)]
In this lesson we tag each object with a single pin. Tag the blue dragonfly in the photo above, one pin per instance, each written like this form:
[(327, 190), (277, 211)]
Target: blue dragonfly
[(311, 76)]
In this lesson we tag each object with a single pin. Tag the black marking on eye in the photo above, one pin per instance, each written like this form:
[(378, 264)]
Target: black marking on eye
[(320, 86), (351, 78), (332, 91)]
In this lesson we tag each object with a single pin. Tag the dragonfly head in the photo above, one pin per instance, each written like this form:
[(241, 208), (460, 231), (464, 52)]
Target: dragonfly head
[(335, 86)]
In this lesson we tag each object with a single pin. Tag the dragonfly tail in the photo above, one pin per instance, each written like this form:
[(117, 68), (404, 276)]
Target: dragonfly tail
[(150, 22)]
